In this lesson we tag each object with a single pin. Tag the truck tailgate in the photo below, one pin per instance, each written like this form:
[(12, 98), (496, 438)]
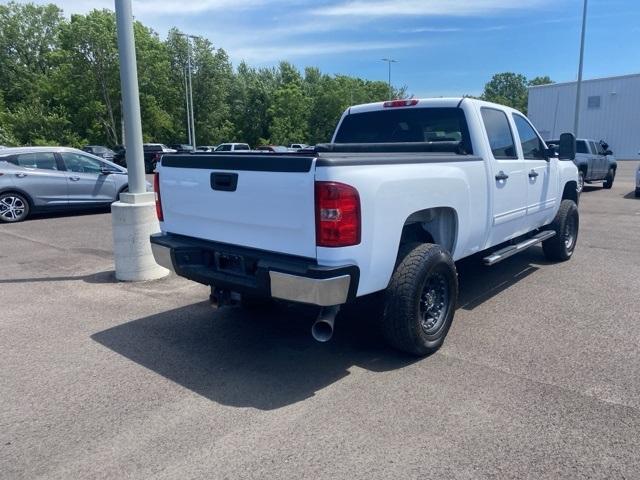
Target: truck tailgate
[(263, 201)]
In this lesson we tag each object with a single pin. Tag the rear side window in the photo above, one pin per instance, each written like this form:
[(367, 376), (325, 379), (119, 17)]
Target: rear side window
[(581, 147), (499, 133), (406, 125), (241, 147), (532, 147), (41, 160)]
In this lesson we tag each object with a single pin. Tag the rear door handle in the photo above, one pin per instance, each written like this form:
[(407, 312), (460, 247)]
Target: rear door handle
[(501, 175), (533, 174), (74, 179)]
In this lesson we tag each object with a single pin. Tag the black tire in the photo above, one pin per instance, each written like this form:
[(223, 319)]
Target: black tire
[(14, 207), (608, 180), (580, 186), (566, 225), (637, 192), (420, 300)]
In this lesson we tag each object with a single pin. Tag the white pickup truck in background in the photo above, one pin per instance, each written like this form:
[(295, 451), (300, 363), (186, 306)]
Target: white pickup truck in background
[(405, 189)]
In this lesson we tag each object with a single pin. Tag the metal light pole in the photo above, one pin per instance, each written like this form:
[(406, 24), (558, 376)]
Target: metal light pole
[(186, 99), (133, 216), (389, 62), (576, 121), (192, 127)]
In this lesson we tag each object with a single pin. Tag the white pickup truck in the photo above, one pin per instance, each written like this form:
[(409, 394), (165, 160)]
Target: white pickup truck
[(405, 189)]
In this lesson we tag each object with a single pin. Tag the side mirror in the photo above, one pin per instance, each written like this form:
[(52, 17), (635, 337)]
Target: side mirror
[(567, 147), (107, 171)]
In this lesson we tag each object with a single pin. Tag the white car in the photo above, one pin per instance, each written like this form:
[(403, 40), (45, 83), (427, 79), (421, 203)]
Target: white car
[(233, 147), (407, 188)]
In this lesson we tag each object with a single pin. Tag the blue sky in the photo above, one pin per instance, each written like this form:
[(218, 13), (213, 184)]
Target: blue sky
[(443, 47)]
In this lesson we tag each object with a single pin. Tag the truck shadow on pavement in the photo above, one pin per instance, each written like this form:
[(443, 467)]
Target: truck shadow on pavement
[(268, 360)]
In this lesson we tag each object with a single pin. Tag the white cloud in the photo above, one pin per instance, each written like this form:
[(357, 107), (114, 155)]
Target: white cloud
[(269, 53), (378, 8)]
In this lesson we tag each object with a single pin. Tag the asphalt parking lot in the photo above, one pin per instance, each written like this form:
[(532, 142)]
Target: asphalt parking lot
[(539, 376)]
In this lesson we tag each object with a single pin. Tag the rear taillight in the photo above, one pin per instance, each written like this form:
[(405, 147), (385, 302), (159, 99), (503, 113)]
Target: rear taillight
[(401, 103), (156, 189), (337, 215)]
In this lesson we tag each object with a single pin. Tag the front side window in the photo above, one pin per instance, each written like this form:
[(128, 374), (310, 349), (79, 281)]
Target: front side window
[(41, 160), (242, 147), (81, 163), (532, 146), (581, 147), (594, 148), (499, 133)]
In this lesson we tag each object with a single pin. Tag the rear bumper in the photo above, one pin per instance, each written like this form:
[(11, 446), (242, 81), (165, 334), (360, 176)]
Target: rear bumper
[(255, 272)]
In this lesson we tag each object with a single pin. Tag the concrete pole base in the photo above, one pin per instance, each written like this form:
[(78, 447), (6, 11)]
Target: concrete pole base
[(133, 223)]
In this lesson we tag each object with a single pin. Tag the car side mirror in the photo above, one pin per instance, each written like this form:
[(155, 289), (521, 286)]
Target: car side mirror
[(567, 147), (107, 171)]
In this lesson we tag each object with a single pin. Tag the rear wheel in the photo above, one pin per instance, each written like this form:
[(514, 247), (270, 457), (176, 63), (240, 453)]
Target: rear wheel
[(14, 207), (420, 300), (608, 180), (566, 225)]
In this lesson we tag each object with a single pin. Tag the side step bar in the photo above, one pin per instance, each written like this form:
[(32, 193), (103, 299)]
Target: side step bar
[(506, 252)]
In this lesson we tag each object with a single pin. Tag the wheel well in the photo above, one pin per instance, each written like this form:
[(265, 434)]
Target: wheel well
[(570, 191), (433, 225), (19, 192)]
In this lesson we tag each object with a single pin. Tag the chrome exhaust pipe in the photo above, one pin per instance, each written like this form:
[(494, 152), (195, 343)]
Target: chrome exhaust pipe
[(322, 329)]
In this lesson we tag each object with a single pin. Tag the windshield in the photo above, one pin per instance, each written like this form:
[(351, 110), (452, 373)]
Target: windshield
[(405, 125)]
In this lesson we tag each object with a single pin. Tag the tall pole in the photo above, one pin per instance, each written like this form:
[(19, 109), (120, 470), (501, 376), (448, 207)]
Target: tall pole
[(133, 217), (193, 125), (576, 121), (186, 99), (389, 62), (130, 96)]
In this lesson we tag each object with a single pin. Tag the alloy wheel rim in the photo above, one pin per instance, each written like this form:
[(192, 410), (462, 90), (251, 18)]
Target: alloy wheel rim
[(569, 232), (434, 300), (580, 183), (12, 208)]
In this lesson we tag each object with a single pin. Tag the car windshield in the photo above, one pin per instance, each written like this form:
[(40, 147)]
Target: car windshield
[(405, 125)]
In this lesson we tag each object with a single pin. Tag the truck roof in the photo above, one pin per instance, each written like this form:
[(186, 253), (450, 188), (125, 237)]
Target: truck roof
[(442, 102)]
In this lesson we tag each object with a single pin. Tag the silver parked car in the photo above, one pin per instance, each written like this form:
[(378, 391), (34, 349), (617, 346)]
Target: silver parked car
[(55, 178)]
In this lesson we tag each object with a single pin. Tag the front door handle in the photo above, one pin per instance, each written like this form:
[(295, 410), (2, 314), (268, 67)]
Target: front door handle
[(21, 175), (501, 175), (74, 179), (533, 174)]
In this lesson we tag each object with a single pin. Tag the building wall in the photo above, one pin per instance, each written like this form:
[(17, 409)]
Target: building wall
[(616, 120)]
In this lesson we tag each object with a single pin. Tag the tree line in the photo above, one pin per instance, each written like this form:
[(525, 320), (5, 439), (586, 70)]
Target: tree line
[(60, 84)]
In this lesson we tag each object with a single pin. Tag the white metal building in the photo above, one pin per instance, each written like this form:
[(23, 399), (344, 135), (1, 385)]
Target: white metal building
[(609, 110)]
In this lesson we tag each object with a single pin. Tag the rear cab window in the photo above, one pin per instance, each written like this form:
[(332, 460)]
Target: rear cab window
[(499, 133), (406, 125)]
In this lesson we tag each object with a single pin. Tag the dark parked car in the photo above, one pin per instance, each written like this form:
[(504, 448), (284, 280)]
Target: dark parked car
[(595, 162), (100, 151), (152, 154), (181, 147)]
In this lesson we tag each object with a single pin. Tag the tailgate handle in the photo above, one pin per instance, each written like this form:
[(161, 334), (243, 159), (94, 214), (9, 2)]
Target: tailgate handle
[(226, 182)]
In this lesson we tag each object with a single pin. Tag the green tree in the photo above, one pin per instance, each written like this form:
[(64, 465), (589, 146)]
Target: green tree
[(508, 89), (288, 114), (545, 80)]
